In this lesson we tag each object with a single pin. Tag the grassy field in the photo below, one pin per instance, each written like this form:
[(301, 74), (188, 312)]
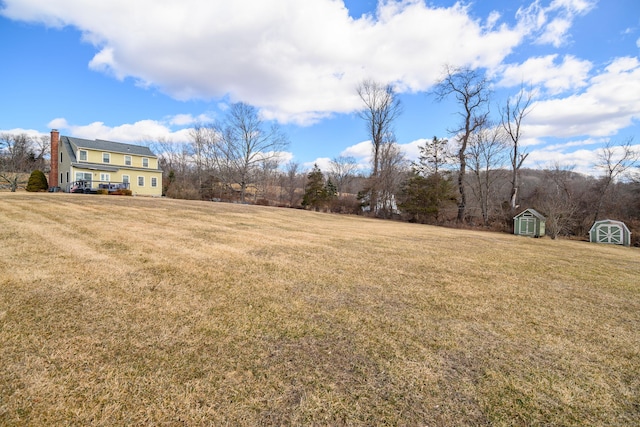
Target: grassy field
[(137, 311)]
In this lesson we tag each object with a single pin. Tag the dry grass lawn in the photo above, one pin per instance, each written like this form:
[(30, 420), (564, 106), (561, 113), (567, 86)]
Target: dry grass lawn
[(136, 311)]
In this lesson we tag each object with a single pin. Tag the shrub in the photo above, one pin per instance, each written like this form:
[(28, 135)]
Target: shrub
[(102, 191), (37, 181)]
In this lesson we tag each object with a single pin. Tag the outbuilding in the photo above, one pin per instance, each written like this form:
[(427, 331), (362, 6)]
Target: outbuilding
[(610, 231), (529, 223)]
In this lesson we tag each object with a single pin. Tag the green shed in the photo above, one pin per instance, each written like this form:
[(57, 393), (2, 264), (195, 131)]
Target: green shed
[(529, 223), (610, 231)]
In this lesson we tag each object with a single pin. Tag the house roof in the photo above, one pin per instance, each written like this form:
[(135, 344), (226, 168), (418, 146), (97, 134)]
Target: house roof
[(532, 211), (115, 147)]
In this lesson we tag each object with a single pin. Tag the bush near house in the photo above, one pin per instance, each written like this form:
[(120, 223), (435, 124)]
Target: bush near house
[(37, 181)]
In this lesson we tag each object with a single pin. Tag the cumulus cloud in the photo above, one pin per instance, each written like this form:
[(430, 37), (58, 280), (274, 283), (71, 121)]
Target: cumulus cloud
[(141, 131), (361, 150), (19, 131), (544, 71), (297, 61), (551, 24), (608, 104), (581, 161)]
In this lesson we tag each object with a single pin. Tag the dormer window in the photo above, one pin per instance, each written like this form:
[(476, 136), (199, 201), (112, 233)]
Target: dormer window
[(145, 162), (106, 158), (83, 155), (127, 160)]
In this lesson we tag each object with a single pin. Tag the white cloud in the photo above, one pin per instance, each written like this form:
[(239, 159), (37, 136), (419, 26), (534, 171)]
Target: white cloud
[(361, 150), (324, 163), (571, 74), (584, 160), (581, 161), (19, 131), (551, 24), (188, 119), (297, 61), (608, 104), (141, 131)]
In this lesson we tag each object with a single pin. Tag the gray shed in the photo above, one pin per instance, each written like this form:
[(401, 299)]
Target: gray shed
[(610, 231), (529, 223)]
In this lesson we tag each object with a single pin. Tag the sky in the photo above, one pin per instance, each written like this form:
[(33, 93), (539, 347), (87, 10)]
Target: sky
[(144, 70)]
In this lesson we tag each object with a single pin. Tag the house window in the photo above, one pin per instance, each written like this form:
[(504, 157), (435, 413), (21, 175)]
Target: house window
[(83, 176), (127, 160), (154, 182), (83, 155), (106, 158), (145, 162), (105, 177), (125, 179), (141, 181)]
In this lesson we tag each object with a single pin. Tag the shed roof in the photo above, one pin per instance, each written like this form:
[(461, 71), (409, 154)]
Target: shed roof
[(609, 221), (115, 147), (532, 211)]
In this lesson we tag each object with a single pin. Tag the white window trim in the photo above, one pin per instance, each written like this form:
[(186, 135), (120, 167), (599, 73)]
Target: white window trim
[(145, 159), (105, 175), (140, 185), (128, 178), (154, 182), (108, 157), (129, 163), (86, 155)]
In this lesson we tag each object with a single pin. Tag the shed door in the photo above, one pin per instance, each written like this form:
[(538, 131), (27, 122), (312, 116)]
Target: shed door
[(609, 233), (527, 226)]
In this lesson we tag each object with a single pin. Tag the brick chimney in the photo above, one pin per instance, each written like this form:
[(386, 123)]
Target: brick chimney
[(53, 171)]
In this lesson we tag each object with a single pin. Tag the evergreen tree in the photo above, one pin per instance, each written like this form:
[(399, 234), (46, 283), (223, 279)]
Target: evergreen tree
[(331, 190), (315, 194), (424, 198), (37, 181)]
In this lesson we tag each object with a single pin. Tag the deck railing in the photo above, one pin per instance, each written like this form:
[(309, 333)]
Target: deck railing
[(92, 186)]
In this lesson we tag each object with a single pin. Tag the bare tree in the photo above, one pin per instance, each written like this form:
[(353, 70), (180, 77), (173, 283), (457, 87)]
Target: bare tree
[(615, 161), (381, 108), (558, 197), (486, 155), (179, 176), (291, 181), (17, 156), (512, 116), (342, 170), (393, 171), (471, 91), (248, 143)]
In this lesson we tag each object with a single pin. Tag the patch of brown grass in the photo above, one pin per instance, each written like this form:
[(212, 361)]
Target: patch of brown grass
[(134, 311)]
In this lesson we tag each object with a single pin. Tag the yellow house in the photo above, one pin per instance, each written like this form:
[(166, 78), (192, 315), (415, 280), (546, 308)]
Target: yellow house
[(82, 165)]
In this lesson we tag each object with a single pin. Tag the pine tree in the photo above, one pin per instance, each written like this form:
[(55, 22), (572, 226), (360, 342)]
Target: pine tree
[(315, 194), (424, 198)]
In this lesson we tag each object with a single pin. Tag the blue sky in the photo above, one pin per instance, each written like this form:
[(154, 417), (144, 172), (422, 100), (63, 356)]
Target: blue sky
[(136, 71)]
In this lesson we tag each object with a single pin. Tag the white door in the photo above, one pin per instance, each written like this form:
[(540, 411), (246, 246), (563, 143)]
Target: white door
[(609, 233), (527, 226)]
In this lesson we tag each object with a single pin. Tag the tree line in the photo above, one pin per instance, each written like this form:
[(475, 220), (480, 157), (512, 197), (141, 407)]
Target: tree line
[(21, 154), (475, 176)]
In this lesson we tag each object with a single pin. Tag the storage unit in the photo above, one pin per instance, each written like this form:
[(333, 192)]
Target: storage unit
[(529, 223), (610, 231)]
